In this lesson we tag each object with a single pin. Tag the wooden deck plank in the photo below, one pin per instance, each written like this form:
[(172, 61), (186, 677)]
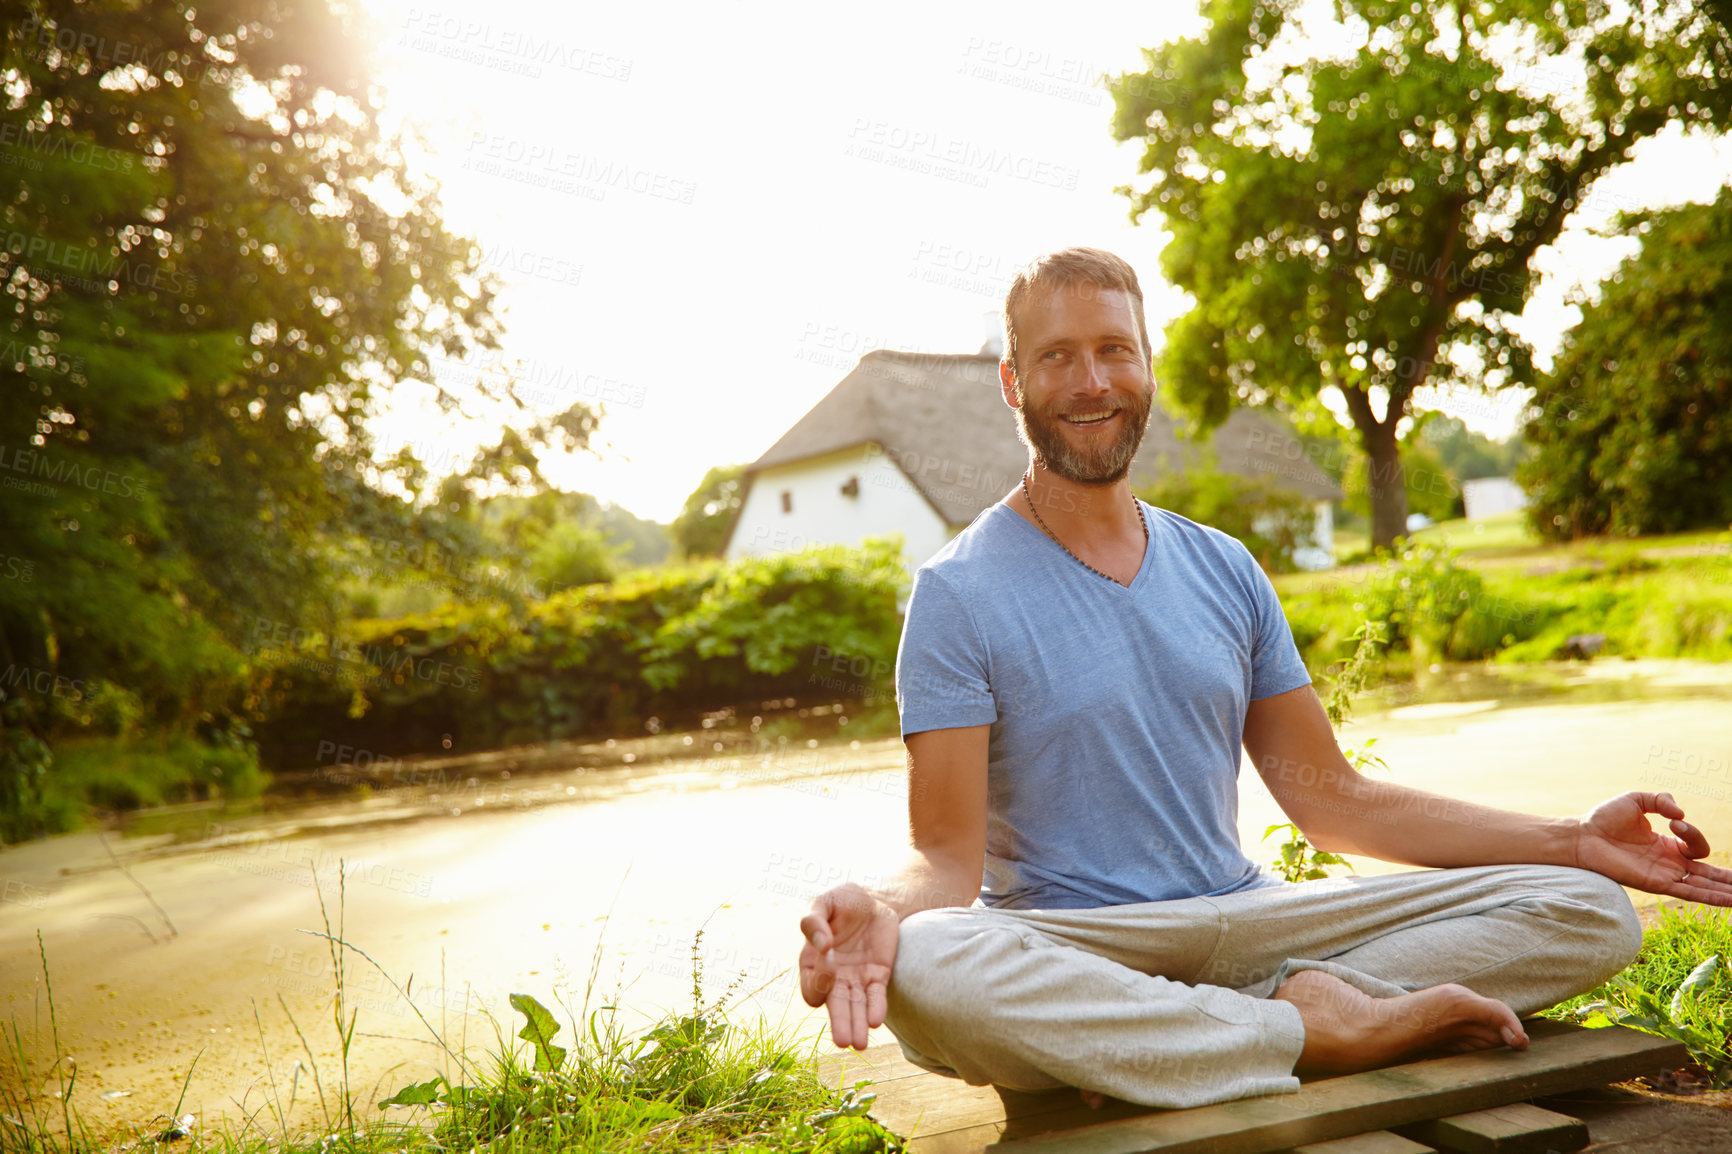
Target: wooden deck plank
[(1515, 1129), (941, 1115), (879, 1063), (1376, 1142)]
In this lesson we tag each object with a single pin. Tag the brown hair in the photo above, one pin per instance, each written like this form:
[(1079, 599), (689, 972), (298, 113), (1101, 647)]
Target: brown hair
[(1073, 268)]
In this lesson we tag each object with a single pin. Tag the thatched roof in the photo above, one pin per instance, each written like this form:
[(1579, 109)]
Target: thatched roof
[(944, 420)]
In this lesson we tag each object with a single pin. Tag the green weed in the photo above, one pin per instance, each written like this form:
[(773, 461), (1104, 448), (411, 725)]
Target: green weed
[(1678, 987), (1300, 861), (694, 1081)]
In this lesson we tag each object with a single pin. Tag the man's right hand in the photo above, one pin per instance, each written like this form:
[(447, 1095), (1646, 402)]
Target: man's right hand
[(845, 963)]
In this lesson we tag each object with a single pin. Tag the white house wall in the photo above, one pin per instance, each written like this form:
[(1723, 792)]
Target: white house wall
[(822, 515)]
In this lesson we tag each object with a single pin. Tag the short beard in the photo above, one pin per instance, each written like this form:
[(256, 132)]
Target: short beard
[(1106, 466)]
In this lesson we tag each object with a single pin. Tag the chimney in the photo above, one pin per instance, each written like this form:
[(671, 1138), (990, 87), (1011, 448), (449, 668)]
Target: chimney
[(994, 344)]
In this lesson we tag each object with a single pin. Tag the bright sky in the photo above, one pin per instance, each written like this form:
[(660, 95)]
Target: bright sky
[(705, 213)]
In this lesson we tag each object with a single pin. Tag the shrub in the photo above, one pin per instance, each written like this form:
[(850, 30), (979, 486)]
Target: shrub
[(602, 659)]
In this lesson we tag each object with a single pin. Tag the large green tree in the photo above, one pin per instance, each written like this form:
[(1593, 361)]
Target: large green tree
[(1355, 204), (1632, 430), (213, 264), (702, 526)]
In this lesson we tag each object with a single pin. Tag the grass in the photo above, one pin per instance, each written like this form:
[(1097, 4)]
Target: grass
[(693, 1082), (1503, 533), (1678, 987), (1500, 599)]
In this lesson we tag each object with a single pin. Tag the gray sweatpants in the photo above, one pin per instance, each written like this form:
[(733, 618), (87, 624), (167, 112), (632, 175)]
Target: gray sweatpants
[(1167, 1003)]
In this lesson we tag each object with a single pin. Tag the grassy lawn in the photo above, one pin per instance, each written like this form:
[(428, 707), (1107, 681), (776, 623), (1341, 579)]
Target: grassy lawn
[(1507, 596), (1489, 536)]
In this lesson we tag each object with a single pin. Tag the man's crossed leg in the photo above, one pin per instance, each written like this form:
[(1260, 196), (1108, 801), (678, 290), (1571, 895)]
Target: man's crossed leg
[(1183, 1003)]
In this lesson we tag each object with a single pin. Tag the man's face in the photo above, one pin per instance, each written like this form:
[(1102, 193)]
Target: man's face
[(1083, 393)]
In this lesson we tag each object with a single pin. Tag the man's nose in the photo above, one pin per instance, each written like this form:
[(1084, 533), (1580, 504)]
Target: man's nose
[(1092, 375)]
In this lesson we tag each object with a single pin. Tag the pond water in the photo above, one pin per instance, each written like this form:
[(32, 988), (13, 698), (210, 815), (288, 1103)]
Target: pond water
[(570, 873)]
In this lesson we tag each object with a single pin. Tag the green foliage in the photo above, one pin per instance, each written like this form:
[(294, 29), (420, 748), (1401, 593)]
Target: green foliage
[(1677, 603), (702, 526), (1430, 487), (600, 659), (1271, 521), (1468, 455), (1423, 596), (1678, 987), (539, 1031), (1633, 430), (693, 1082), (216, 261), (28, 805), (1300, 861), (1358, 211)]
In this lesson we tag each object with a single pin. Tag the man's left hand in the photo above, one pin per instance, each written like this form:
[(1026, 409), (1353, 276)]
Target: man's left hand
[(1616, 840)]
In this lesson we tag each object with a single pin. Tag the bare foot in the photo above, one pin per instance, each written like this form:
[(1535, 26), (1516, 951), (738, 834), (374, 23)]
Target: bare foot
[(1347, 1031)]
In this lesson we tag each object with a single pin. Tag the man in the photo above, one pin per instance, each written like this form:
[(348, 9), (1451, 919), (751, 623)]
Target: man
[(1077, 674)]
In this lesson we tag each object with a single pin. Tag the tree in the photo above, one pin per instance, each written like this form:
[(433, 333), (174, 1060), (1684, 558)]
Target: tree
[(1466, 454), (1365, 220), (702, 525), (1632, 431), (213, 263)]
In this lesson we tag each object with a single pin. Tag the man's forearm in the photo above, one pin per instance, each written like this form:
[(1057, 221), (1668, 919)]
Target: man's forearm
[(1397, 823), (928, 881)]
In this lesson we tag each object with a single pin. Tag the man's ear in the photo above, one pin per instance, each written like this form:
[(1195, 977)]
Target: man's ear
[(1007, 382)]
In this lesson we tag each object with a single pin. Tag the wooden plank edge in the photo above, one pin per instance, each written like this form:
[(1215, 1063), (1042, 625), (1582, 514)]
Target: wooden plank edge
[(1275, 1125)]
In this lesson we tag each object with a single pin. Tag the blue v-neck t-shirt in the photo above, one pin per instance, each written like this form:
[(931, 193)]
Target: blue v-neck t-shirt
[(1117, 712)]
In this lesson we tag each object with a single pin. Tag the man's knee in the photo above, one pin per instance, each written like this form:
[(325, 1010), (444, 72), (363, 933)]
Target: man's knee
[(929, 946), (1609, 919)]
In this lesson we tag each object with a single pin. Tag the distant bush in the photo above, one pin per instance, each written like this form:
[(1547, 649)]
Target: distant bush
[(593, 661), (1433, 608), (1438, 609)]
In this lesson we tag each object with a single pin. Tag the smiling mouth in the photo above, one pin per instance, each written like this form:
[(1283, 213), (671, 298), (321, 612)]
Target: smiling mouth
[(1094, 418)]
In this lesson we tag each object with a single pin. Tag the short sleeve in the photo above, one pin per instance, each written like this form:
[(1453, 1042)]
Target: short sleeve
[(1276, 666), (941, 664)]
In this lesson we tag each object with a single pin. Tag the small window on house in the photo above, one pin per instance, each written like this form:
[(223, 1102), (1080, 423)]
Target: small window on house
[(787, 500)]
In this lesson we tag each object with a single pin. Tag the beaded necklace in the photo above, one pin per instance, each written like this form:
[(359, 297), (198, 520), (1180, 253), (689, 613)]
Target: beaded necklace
[(1141, 518)]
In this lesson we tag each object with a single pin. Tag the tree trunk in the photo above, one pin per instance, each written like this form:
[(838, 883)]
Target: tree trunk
[(1386, 485)]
